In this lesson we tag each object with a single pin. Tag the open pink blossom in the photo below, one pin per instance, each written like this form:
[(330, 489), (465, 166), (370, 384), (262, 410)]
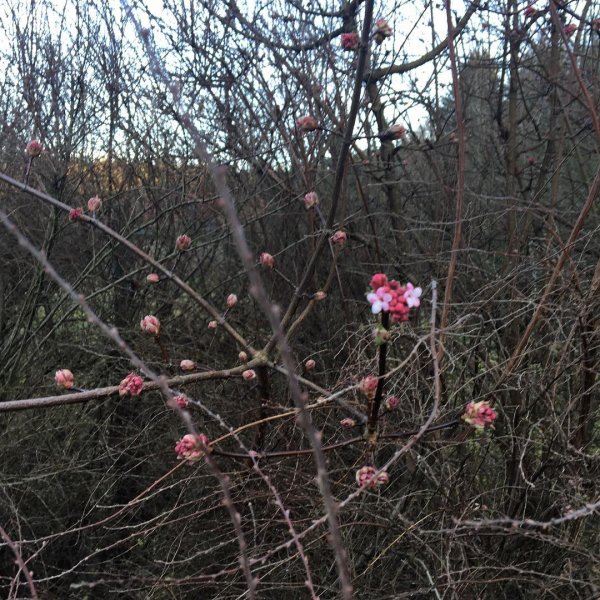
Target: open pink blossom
[(64, 379), (479, 414), (191, 447), (187, 365), (34, 148), (132, 385), (368, 477), (307, 123), (380, 300), (412, 295), (350, 41), (183, 242), (94, 204), (150, 324)]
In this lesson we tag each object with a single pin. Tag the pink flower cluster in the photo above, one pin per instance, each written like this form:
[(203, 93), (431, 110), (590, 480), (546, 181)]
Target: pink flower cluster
[(189, 447), (181, 400), (390, 296), (307, 123), (64, 379), (367, 477), (150, 324), (381, 31), (34, 148), (350, 41), (479, 414), (368, 386), (132, 385)]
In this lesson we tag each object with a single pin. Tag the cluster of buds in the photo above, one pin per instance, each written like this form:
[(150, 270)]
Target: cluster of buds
[(381, 335), (187, 365), (395, 132), (267, 260), (183, 242), (307, 123), (479, 414), (382, 30), (392, 402), (191, 447), (391, 297), (368, 477), (347, 423), (181, 400), (64, 379), (339, 238), (34, 148), (368, 386), (94, 204), (150, 324), (350, 41), (75, 214), (311, 200), (132, 385)]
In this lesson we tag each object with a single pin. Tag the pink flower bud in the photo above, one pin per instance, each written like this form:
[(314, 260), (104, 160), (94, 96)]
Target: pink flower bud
[(347, 423), (267, 260), (531, 160), (310, 364), (249, 374), (64, 379), (190, 447), (368, 386), (366, 477), (232, 300), (181, 400), (243, 357), (339, 238), (212, 324), (350, 41), (34, 148), (75, 214), (132, 385), (479, 414), (306, 124), (320, 296), (311, 200), (183, 242), (153, 278), (530, 11), (94, 204), (150, 324), (378, 280), (392, 402), (187, 365)]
